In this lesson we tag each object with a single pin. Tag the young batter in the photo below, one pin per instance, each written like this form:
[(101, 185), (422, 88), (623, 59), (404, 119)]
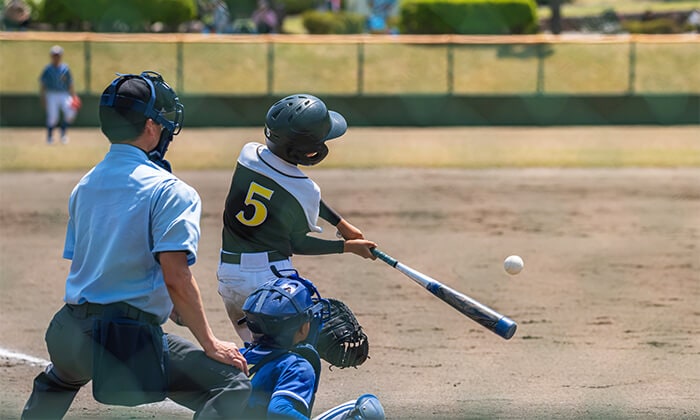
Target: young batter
[(272, 205)]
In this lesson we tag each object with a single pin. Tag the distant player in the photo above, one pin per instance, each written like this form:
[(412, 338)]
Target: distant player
[(272, 205), (285, 316), (58, 95)]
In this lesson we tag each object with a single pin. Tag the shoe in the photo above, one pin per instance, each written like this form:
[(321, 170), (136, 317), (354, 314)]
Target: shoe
[(64, 139), (367, 407), (49, 140)]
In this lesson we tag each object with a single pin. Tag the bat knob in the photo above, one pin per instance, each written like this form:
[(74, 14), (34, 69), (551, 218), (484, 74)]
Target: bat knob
[(505, 327)]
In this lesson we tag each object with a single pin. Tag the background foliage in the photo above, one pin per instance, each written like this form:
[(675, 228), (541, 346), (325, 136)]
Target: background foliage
[(491, 17), (116, 15), (317, 22)]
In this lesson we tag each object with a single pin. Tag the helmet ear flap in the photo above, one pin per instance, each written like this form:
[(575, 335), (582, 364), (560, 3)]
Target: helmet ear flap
[(301, 158)]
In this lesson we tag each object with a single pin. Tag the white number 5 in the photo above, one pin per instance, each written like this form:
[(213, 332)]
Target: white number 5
[(260, 213)]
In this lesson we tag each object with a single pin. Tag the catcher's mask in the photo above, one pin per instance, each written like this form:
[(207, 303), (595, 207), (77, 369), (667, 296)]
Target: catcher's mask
[(162, 106), (277, 309), (297, 127)]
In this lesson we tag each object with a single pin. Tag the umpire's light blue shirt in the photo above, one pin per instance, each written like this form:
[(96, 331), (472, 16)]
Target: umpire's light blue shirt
[(121, 215)]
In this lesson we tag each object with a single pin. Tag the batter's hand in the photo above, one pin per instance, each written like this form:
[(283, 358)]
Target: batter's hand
[(227, 353), (348, 231), (361, 247)]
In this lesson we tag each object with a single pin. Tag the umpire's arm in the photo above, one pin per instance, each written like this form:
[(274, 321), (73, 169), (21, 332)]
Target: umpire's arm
[(187, 300)]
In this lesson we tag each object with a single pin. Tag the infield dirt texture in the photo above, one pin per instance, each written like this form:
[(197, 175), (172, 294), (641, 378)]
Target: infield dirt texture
[(608, 304)]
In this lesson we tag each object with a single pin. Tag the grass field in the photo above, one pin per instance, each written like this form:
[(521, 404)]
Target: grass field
[(572, 147)]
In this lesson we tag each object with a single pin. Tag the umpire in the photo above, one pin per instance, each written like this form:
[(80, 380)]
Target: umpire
[(133, 231)]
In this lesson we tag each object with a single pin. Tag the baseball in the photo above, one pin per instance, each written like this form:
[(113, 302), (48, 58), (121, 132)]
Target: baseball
[(513, 264)]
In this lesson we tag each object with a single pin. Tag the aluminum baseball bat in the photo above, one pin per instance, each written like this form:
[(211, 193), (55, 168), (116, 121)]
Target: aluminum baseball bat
[(487, 317)]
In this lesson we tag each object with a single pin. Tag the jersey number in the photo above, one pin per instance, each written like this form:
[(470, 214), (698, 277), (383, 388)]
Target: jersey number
[(260, 213)]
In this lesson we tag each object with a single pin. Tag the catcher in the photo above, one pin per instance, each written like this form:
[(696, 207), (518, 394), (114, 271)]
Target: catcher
[(287, 317)]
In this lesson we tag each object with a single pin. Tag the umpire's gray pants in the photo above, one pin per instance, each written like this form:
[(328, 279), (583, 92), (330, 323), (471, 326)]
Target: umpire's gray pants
[(211, 389)]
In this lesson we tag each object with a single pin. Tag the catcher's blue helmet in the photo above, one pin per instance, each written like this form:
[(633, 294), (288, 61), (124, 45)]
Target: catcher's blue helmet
[(279, 307), (297, 127), (160, 103)]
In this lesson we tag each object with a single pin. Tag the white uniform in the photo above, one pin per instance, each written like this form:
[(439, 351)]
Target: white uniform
[(57, 82), (57, 103)]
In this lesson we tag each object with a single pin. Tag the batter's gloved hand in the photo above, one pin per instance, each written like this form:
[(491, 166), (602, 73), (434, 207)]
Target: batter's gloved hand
[(342, 342)]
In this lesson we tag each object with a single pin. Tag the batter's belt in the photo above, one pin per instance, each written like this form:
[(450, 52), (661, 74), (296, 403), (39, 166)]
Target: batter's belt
[(113, 311), (231, 258)]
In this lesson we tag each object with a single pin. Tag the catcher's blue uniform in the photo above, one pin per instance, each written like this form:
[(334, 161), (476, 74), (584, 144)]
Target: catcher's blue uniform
[(285, 371), (284, 386)]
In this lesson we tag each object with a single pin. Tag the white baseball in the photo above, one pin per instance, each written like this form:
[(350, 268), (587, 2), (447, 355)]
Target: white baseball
[(513, 264)]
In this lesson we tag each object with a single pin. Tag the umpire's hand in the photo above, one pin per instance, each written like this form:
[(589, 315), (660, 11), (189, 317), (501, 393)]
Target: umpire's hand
[(228, 353), (187, 302)]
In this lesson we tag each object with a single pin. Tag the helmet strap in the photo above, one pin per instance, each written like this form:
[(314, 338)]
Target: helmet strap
[(294, 275), (157, 155)]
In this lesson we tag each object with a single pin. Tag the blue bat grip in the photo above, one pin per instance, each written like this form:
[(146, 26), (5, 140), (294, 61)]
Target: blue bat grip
[(384, 257)]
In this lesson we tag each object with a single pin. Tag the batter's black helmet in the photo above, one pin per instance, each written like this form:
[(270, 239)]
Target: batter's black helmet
[(297, 127), (277, 309)]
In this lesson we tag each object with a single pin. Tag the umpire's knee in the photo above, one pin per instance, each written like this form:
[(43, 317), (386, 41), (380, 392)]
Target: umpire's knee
[(228, 400)]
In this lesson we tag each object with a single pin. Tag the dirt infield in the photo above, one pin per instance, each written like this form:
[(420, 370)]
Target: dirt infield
[(607, 305)]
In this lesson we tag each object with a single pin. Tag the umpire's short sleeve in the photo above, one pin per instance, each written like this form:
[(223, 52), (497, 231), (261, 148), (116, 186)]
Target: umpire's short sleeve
[(175, 216)]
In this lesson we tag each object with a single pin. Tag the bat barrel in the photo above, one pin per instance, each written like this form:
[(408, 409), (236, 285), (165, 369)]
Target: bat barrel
[(499, 324), (482, 314), (505, 327)]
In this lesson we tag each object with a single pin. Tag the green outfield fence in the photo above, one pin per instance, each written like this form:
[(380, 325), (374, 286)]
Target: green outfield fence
[(397, 80)]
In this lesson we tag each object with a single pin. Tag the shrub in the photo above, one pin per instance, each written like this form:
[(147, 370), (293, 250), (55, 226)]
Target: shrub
[(34, 6), (317, 22), (488, 17), (116, 15), (547, 2), (172, 12), (293, 7), (62, 12), (655, 26)]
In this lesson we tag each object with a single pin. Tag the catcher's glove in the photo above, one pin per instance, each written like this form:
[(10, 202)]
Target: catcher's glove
[(342, 342), (76, 103)]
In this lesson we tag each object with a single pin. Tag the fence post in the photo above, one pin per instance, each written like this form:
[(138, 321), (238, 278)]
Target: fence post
[(540, 68), (360, 67), (450, 67), (632, 67), (87, 51), (180, 81), (270, 66)]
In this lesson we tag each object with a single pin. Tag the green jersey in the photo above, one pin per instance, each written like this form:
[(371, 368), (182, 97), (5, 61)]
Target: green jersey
[(272, 206)]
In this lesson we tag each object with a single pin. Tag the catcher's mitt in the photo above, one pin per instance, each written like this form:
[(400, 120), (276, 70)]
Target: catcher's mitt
[(342, 342)]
